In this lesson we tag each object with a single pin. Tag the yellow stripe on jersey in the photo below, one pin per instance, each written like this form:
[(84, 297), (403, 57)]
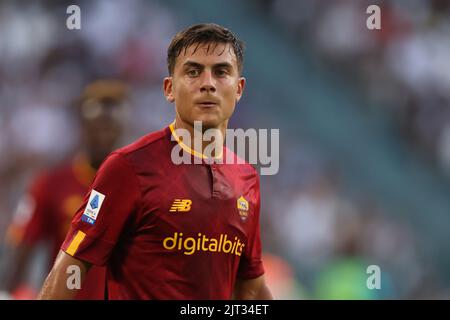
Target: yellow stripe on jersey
[(73, 247)]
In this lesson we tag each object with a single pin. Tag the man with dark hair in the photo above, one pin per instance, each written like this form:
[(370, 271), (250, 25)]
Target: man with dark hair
[(46, 210), (168, 231)]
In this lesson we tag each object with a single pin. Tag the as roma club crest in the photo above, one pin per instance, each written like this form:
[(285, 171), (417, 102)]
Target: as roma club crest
[(243, 208)]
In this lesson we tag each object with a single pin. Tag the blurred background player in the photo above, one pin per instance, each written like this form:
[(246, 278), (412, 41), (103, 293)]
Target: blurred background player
[(45, 212)]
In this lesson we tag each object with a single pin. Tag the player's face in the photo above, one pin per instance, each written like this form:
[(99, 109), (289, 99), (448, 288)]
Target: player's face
[(205, 85), (102, 130)]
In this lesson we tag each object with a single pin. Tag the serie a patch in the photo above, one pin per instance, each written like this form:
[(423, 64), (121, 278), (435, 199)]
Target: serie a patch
[(93, 207)]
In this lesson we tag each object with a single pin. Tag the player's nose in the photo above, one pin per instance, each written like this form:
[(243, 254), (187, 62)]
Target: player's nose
[(207, 82)]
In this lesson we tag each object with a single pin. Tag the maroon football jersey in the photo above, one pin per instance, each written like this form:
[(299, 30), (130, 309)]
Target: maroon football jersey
[(46, 211), (168, 231)]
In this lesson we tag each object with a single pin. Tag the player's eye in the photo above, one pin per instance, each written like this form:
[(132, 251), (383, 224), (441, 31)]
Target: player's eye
[(221, 72), (192, 73)]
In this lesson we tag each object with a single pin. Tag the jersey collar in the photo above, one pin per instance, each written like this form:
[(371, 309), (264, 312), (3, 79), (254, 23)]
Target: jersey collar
[(187, 148)]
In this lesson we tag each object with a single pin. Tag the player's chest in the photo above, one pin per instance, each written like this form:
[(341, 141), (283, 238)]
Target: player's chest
[(201, 199)]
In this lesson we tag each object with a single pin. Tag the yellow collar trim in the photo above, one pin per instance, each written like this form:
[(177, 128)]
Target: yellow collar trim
[(186, 148)]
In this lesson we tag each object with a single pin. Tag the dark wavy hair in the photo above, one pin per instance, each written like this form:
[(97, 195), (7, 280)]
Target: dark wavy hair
[(205, 33)]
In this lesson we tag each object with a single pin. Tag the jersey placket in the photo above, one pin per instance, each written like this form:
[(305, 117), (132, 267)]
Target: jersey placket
[(220, 186)]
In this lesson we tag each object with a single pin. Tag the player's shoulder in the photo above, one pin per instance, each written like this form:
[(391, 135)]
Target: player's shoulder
[(144, 148), (240, 164), (147, 141)]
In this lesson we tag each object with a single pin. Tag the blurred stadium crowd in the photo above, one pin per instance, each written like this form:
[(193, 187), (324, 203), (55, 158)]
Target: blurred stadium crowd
[(319, 236), (403, 67)]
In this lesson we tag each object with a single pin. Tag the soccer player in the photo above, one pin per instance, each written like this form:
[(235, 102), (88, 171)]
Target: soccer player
[(45, 213), (175, 231)]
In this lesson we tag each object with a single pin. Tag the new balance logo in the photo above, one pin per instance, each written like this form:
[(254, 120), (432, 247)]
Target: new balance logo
[(181, 205)]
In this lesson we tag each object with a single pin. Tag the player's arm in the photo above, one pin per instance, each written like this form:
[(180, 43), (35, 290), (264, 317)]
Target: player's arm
[(56, 285), (96, 227), (252, 289), (250, 282)]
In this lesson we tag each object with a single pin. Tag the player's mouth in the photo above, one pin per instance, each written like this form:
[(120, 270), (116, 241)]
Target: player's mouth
[(207, 104)]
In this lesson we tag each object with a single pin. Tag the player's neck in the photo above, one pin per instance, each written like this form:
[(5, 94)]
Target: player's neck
[(197, 136)]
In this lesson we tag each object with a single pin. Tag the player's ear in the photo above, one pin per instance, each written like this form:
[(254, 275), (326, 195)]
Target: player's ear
[(240, 88), (168, 89)]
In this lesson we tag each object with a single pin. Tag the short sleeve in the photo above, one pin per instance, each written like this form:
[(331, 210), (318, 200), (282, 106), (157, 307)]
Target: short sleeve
[(107, 207), (251, 265)]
